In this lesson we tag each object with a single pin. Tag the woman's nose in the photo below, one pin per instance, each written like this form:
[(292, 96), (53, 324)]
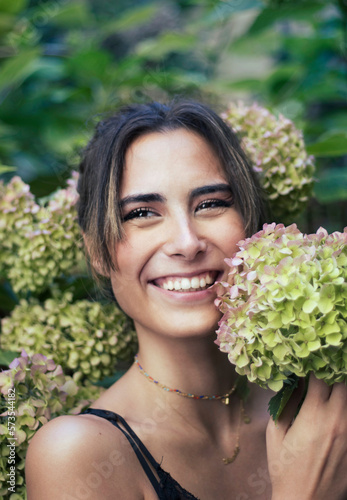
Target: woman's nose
[(184, 240)]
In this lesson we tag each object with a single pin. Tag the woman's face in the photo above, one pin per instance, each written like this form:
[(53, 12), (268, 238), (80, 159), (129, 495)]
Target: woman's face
[(179, 224)]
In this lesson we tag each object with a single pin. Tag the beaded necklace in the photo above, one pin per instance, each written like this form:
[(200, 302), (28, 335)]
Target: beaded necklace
[(224, 398)]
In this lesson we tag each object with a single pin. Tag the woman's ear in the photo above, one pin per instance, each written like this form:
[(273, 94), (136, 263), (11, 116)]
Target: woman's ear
[(94, 261)]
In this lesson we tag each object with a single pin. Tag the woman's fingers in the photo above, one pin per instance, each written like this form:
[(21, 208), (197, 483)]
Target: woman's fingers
[(318, 392), (312, 450), (287, 416), (339, 394)]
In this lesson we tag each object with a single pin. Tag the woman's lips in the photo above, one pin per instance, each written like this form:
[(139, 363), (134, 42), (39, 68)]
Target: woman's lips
[(199, 282)]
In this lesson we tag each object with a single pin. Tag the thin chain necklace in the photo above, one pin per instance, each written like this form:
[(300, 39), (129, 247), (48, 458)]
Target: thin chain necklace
[(224, 398)]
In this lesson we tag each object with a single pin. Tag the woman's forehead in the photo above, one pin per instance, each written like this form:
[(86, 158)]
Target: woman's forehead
[(163, 158)]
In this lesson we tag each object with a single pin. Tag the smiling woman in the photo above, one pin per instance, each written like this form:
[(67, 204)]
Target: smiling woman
[(100, 205), (179, 224), (166, 192)]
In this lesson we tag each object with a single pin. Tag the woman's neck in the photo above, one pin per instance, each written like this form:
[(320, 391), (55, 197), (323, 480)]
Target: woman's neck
[(193, 365)]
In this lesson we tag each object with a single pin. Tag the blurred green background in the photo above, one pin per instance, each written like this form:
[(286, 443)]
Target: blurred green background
[(64, 64)]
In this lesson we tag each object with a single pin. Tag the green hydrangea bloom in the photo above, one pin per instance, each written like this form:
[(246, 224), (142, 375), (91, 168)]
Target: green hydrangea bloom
[(86, 338), (277, 151), (39, 241), (42, 392), (284, 306)]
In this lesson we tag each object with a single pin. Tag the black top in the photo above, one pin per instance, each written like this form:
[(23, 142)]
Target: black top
[(166, 488)]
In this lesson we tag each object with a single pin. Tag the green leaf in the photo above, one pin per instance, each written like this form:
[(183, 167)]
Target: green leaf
[(270, 15), (242, 388), (8, 299), (336, 120), (131, 18), (265, 42), (282, 78), (245, 85), (6, 23), (331, 185), (165, 44), (279, 401), (89, 63), (71, 15), (222, 11), (329, 144), (5, 168), (18, 68), (13, 6), (304, 47), (108, 381), (6, 357)]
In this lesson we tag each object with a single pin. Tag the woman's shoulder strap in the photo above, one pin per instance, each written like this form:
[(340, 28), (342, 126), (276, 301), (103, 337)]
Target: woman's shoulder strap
[(139, 448)]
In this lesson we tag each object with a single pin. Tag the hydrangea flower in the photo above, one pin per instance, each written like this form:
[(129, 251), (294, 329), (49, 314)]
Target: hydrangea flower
[(39, 242), (42, 392), (17, 209), (86, 338), (277, 151), (284, 306)]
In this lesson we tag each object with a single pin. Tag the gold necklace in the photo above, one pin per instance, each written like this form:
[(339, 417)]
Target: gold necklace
[(246, 419), (224, 398)]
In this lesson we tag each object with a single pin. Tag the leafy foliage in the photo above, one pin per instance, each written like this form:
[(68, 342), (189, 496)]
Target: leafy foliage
[(67, 62), (278, 402), (306, 41)]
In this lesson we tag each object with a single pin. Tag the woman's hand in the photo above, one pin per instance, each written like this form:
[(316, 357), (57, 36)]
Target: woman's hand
[(307, 459)]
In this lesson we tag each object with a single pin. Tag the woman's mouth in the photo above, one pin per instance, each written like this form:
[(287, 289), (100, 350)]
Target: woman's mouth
[(185, 284)]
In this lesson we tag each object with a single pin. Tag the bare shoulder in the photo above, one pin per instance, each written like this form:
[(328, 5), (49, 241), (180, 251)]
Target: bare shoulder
[(83, 456)]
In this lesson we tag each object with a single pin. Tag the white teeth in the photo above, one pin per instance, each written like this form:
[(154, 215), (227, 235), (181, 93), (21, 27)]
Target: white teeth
[(185, 284), (209, 279), (195, 283)]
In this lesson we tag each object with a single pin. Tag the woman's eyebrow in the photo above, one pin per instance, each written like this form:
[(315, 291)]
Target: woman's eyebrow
[(210, 189), (142, 198), (156, 197)]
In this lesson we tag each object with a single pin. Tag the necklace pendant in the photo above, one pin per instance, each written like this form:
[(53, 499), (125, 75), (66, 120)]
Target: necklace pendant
[(230, 460), (247, 419), (226, 400)]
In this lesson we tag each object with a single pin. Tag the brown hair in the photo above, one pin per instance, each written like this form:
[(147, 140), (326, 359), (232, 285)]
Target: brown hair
[(102, 166)]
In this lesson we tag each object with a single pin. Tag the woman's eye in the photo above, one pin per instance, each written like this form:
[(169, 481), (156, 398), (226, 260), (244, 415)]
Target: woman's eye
[(139, 213), (210, 204)]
